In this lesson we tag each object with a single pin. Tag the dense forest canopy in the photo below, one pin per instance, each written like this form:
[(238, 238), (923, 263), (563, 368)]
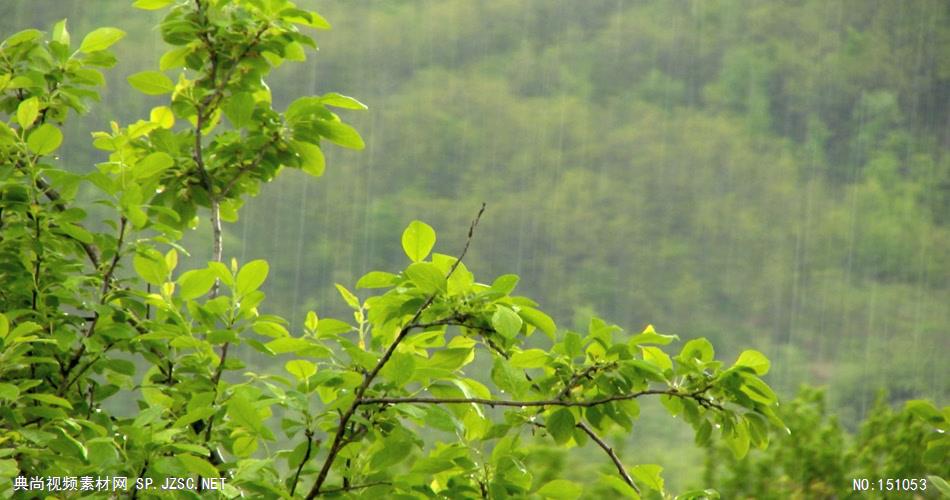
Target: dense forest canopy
[(765, 174)]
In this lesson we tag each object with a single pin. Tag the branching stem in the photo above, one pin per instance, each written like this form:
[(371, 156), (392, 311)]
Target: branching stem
[(338, 438)]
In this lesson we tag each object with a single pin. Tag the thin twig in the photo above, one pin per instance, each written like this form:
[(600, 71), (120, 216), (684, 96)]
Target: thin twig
[(338, 438), (306, 456), (702, 400), (610, 453)]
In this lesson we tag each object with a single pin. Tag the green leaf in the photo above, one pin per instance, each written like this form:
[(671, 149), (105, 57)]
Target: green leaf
[(539, 320), (251, 277), (197, 465), (758, 390), (312, 321), (151, 4), (271, 329), (301, 347), (619, 486), (163, 116), (9, 392), (24, 36), (151, 82), (301, 369), (51, 399), (532, 358), (399, 368), (27, 112), (76, 232), (245, 446), (656, 357), (60, 33), (150, 268), (561, 489), (195, 283), (242, 410), (506, 322), (418, 240), (341, 101), (942, 486), (377, 279), (394, 450), (505, 284), (426, 276), (45, 139), (649, 336), (4, 325), (699, 349), (68, 445), (738, 439), (340, 134), (925, 410), (100, 39), (239, 108), (350, 299), (311, 157), (152, 164), (648, 475), (561, 425), (755, 360)]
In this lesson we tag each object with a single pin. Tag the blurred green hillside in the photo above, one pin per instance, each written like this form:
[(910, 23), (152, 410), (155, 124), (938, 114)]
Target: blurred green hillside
[(771, 175)]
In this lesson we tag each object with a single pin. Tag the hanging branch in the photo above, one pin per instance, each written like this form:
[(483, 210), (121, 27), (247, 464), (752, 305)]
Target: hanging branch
[(338, 438)]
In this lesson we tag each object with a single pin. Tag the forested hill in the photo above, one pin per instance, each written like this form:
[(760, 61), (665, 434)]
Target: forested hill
[(767, 174)]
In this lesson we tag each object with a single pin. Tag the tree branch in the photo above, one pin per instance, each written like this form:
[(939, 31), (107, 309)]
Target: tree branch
[(610, 453), (698, 397), (306, 456), (338, 438)]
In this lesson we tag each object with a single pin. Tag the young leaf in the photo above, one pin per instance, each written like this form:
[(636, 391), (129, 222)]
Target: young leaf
[(426, 276), (151, 82), (27, 112), (251, 277), (648, 475), (418, 240), (150, 268), (506, 322), (311, 157), (163, 116), (151, 4), (341, 101), (350, 299), (100, 39), (152, 164), (301, 369), (561, 425), (197, 465), (45, 139), (376, 279), (505, 284), (195, 283), (60, 33), (539, 320), (755, 360), (532, 358)]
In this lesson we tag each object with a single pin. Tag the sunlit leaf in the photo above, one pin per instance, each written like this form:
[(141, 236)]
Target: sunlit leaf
[(100, 39)]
